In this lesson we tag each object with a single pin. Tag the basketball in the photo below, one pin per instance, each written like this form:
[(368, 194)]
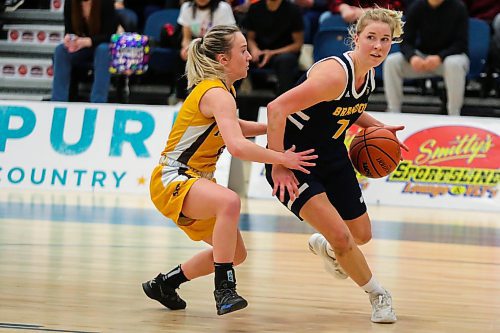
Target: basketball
[(375, 152)]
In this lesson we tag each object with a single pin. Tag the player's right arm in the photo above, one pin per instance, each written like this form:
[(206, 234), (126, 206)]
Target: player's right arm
[(218, 103), (326, 81)]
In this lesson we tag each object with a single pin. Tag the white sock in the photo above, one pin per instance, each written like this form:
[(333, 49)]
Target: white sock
[(373, 287)]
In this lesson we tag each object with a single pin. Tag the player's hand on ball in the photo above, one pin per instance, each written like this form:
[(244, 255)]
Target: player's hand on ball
[(394, 129)]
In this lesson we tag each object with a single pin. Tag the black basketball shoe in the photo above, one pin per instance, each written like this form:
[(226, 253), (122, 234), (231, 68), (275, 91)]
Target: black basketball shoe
[(227, 300), (158, 290)]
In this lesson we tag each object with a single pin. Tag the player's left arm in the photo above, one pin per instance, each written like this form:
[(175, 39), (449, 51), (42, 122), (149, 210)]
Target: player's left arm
[(367, 120), (251, 129)]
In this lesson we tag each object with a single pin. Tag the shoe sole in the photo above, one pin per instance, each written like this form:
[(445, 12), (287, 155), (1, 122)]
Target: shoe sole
[(147, 290), (385, 321), (235, 307)]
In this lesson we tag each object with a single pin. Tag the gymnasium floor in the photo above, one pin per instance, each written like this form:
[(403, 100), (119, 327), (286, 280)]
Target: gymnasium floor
[(75, 263)]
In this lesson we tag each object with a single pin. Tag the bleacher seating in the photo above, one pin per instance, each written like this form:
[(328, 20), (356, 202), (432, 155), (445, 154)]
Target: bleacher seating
[(333, 22), (162, 59), (479, 43), (30, 36), (328, 42)]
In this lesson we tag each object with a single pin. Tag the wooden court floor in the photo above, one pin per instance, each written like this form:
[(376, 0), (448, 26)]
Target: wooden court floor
[(75, 263)]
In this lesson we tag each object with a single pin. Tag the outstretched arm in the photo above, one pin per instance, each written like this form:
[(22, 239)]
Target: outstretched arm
[(218, 103)]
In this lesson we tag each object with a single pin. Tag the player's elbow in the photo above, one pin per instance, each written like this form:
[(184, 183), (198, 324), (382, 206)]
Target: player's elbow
[(275, 111), (235, 149)]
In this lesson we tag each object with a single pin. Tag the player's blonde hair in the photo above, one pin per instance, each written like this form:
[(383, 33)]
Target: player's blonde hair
[(377, 14), (202, 63)]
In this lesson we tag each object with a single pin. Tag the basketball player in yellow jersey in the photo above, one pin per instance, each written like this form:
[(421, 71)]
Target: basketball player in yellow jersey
[(182, 185)]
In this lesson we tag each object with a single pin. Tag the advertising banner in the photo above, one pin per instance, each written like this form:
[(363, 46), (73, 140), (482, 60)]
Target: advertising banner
[(453, 162), (85, 147)]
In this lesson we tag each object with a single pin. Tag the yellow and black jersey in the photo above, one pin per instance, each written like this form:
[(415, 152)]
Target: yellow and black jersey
[(195, 140)]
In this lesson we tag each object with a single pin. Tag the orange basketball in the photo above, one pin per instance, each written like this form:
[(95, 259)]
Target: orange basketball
[(375, 152)]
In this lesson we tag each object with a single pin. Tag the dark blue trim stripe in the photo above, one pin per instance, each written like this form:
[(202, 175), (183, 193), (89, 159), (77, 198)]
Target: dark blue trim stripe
[(389, 230)]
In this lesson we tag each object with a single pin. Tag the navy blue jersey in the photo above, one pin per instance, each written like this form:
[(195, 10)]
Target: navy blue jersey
[(323, 125)]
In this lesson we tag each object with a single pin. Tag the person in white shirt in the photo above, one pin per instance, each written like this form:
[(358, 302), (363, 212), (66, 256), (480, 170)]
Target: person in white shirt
[(196, 17)]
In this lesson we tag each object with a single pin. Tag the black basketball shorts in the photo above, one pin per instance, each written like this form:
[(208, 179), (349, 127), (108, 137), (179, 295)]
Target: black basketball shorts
[(338, 182)]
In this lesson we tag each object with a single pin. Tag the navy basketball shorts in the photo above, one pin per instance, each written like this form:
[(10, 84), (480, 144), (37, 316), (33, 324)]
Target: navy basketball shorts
[(338, 182)]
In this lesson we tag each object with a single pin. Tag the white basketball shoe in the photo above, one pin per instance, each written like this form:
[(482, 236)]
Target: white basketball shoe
[(320, 246), (382, 311)]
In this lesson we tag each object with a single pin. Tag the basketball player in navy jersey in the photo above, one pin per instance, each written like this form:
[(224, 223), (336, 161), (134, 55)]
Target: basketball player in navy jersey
[(331, 97)]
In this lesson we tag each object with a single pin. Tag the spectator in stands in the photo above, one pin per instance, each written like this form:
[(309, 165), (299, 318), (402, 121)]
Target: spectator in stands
[(196, 17), (128, 19), (275, 33), (351, 10), (435, 43), (88, 25)]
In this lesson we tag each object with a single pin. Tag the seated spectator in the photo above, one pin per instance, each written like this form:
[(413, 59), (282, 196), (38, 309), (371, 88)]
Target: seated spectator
[(351, 10), (88, 25), (196, 17), (435, 43), (275, 33), (127, 18)]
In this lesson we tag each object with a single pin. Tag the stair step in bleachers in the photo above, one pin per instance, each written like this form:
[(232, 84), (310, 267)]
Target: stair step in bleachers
[(29, 37), (26, 69), (34, 34), (26, 50), (24, 96), (33, 16), (10, 84)]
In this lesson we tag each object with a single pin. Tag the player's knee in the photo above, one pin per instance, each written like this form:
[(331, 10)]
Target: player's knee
[(363, 237), (230, 205), (341, 242)]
